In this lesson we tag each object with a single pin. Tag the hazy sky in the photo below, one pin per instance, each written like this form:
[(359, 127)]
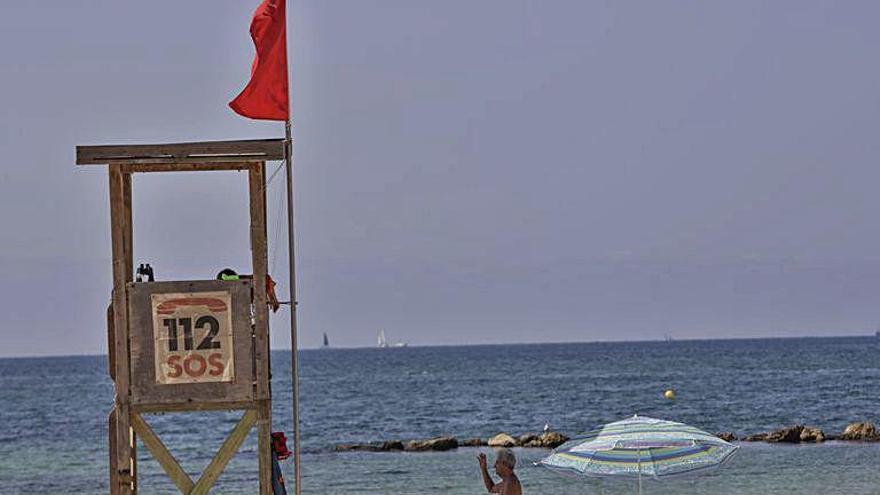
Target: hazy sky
[(467, 171)]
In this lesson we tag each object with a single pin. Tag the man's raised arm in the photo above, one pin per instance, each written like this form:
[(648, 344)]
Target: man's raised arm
[(491, 487)]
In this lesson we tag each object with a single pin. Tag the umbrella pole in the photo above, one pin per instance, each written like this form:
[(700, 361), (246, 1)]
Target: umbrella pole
[(639, 459)]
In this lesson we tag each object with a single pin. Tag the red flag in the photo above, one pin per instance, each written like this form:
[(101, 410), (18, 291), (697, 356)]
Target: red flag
[(265, 96)]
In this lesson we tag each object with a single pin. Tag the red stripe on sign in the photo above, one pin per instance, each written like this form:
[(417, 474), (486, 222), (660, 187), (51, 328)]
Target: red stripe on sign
[(170, 306)]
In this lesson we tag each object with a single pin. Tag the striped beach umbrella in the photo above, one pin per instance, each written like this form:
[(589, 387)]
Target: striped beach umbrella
[(640, 447)]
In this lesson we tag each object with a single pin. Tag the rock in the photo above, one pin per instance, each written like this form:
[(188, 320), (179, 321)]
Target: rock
[(861, 431), (726, 436), (785, 435), (502, 440), (812, 435), (438, 444), (358, 447), (526, 439), (472, 442), (391, 445), (792, 434), (547, 440), (553, 439)]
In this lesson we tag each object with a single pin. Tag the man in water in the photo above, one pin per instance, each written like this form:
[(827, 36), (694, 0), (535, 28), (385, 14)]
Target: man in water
[(504, 464)]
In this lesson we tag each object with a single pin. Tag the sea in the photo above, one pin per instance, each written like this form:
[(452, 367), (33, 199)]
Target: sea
[(53, 415)]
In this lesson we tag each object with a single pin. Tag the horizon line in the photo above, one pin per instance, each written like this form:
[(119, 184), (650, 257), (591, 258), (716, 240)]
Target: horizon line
[(498, 344)]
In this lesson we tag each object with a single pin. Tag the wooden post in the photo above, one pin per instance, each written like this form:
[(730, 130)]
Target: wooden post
[(114, 464), (261, 328), (121, 246), (129, 276), (129, 227)]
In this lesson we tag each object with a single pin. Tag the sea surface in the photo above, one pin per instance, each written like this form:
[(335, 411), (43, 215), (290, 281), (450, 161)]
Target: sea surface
[(53, 415)]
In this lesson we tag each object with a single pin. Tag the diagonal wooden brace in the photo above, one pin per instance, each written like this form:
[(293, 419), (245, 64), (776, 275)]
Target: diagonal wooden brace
[(176, 473), (227, 450), (182, 480)]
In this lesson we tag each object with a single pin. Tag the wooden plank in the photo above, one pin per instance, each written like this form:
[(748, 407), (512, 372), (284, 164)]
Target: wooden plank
[(111, 343), (192, 407), (114, 464), (264, 446), (254, 150), (129, 228), (259, 257), (134, 457), (168, 462), (118, 230), (259, 260), (129, 276), (183, 166), (227, 450)]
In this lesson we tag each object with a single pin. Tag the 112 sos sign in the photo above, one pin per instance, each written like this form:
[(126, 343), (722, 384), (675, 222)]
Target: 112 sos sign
[(192, 337)]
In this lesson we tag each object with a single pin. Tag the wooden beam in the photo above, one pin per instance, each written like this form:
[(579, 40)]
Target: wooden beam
[(254, 150), (227, 450), (114, 461), (129, 276), (111, 342), (195, 166), (118, 230), (134, 459), (259, 258), (129, 227), (264, 444), (193, 407), (176, 473)]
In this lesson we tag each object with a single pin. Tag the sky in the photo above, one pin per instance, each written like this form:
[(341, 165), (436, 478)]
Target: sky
[(466, 172)]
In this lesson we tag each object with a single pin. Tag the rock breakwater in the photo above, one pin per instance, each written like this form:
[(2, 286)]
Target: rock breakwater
[(546, 440), (855, 432)]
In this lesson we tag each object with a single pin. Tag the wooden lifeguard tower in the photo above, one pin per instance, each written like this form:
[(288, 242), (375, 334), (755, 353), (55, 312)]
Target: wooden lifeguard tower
[(197, 345)]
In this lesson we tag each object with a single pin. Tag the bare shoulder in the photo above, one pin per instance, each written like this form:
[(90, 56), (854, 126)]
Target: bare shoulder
[(512, 486)]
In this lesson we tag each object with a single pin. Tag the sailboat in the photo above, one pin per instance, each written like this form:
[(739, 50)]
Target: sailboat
[(326, 341), (384, 344)]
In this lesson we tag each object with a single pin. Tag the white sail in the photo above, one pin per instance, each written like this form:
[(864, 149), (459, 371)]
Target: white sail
[(384, 344)]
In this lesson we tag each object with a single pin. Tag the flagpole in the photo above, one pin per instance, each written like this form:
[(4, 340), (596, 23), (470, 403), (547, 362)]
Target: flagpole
[(294, 348), (291, 254)]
